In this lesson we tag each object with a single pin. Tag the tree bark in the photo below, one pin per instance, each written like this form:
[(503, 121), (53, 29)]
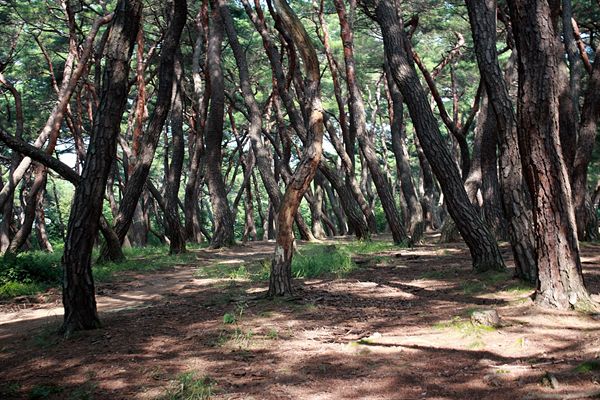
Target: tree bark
[(358, 126), (483, 247), (560, 280), (135, 184), (587, 136), (78, 284), (223, 235), (414, 208), (174, 230), (281, 268)]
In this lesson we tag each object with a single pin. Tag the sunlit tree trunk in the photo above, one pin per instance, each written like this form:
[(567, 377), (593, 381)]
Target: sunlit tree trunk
[(560, 280), (481, 243)]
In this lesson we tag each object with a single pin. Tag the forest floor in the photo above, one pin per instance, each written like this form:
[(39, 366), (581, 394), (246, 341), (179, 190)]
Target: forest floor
[(395, 328)]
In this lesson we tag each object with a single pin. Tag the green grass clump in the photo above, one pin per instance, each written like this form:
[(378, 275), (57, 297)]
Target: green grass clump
[(588, 366), (317, 260), (141, 259), (369, 246), (191, 387), (466, 327)]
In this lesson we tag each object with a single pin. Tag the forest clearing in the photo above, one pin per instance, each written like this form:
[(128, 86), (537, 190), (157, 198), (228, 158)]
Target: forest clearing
[(299, 199), (395, 327)]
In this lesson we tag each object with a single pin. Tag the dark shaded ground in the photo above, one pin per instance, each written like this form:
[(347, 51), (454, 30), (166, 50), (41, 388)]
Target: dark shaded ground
[(410, 307)]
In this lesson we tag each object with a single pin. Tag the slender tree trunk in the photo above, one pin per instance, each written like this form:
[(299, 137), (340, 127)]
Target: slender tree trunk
[(414, 209), (587, 135), (174, 230), (78, 284), (281, 268), (34, 196), (359, 127), (223, 235), (483, 247), (560, 281)]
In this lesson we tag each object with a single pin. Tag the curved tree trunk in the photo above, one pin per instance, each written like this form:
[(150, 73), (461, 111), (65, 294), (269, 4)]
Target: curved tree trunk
[(560, 281), (281, 268), (78, 284), (483, 247)]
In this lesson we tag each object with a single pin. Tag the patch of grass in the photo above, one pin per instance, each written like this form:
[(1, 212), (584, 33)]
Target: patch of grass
[(44, 391), (142, 259), (273, 334), (472, 287), (256, 271), (588, 366), (10, 389), (14, 289), (229, 318), (485, 281), (191, 387), (84, 392), (464, 326), (370, 247), (315, 260), (47, 337), (435, 274)]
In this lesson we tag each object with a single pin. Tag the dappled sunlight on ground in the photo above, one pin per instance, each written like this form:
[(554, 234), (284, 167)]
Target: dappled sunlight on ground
[(396, 328)]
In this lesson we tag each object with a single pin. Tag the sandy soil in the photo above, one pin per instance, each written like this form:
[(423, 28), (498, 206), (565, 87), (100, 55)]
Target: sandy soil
[(395, 329)]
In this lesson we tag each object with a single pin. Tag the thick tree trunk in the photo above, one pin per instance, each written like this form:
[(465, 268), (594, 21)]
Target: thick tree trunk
[(560, 281), (483, 247), (223, 235), (281, 268), (78, 284)]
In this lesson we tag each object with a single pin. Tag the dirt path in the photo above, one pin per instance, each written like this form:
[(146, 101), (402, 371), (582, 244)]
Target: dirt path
[(395, 329)]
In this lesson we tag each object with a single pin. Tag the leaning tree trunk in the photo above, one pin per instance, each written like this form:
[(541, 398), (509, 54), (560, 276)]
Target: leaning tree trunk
[(560, 280), (482, 15), (280, 282), (358, 126), (78, 284), (148, 142), (223, 234), (481, 243)]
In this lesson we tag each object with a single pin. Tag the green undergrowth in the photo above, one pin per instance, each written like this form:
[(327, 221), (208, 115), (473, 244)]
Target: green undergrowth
[(310, 261), (27, 274), (365, 247), (588, 366), (143, 259)]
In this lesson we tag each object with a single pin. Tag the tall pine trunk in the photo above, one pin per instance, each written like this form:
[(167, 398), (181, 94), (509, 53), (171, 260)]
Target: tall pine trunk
[(481, 243), (223, 235), (560, 280), (78, 284)]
